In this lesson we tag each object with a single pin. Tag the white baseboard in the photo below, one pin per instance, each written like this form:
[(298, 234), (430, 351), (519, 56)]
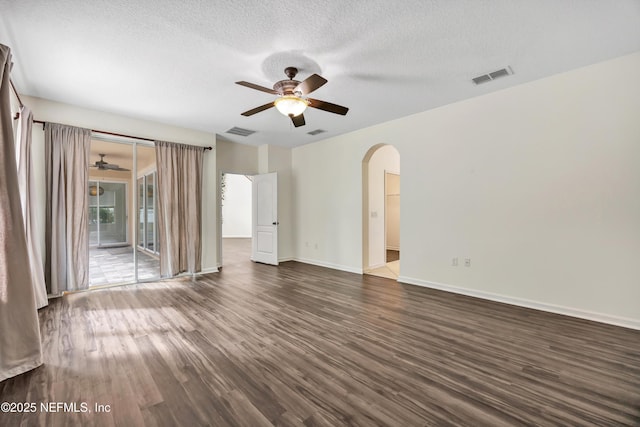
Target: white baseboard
[(285, 259), (552, 308), (208, 270), (329, 265)]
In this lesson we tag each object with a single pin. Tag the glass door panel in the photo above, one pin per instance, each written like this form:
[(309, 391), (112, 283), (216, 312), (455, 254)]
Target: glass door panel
[(151, 210), (111, 214), (148, 265), (93, 214), (141, 216)]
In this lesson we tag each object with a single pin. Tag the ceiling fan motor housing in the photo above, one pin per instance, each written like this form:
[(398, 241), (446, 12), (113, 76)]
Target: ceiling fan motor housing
[(285, 87)]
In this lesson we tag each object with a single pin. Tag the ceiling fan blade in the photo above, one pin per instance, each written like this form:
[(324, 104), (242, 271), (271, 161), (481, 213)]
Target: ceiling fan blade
[(257, 87), (298, 120), (257, 109), (327, 106), (310, 84)]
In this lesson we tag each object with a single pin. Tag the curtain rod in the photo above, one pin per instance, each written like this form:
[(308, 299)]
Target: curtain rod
[(17, 116), (16, 93), (116, 134)]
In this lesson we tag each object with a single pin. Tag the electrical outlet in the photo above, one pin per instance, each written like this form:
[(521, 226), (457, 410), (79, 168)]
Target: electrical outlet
[(467, 262), (454, 261)]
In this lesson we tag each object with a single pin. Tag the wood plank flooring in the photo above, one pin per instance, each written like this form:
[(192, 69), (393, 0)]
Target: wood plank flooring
[(299, 345)]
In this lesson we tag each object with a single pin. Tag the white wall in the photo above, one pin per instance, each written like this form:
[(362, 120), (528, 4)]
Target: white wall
[(538, 184), (236, 206), (236, 158), (76, 116), (384, 159)]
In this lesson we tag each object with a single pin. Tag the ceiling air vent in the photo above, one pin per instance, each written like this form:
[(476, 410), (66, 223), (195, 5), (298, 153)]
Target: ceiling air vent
[(317, 131), (240, 131), (492, 76)]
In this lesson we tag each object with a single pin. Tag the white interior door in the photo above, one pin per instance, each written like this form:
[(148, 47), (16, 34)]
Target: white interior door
[(264, 246)]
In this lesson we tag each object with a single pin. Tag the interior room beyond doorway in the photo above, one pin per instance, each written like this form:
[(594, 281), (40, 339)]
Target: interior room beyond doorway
[(236, 193)]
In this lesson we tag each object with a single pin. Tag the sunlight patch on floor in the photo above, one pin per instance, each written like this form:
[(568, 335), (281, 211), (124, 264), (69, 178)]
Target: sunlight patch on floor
[(391, 270)]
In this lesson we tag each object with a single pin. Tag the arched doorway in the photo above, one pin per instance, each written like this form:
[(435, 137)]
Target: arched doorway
[(381, 211)]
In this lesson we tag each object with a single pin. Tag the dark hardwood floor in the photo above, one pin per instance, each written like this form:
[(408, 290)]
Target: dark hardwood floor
[(299, 345)]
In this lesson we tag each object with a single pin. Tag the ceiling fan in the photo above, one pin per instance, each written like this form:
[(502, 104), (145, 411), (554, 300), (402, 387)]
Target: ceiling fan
[(102, 165), (292, 100)]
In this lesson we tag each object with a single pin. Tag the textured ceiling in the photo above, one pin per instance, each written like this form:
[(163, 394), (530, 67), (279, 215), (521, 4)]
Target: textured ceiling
[(176, 61)]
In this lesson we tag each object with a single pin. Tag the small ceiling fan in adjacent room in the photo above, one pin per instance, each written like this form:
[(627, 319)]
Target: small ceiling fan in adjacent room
[(292, 100), (102, 165)]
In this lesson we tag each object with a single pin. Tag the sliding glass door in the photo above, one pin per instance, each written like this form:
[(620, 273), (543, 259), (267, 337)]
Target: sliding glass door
[(122, 206)]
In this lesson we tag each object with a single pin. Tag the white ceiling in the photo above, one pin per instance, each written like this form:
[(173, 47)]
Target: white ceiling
[(176, 61)]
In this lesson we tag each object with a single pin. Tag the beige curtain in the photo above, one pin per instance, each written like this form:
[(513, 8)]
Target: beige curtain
[(27, 197), (20, 349), (179, 207), (67, 238)]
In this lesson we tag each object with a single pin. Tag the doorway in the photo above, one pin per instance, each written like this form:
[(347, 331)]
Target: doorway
[(236, 217), (381, 212)]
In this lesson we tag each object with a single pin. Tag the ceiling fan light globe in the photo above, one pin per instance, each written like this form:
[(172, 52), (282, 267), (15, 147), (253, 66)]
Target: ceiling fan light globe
[(290, 105)]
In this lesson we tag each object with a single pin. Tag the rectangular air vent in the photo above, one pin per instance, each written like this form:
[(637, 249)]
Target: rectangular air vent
[(317, 131), (240, 131), (492, 76)]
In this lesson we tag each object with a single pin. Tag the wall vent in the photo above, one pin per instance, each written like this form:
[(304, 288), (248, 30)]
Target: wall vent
[(240, 131), (317, 131), (492, 76)]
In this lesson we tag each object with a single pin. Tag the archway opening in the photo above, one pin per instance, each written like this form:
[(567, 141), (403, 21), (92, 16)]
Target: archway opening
[(381, 211)]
